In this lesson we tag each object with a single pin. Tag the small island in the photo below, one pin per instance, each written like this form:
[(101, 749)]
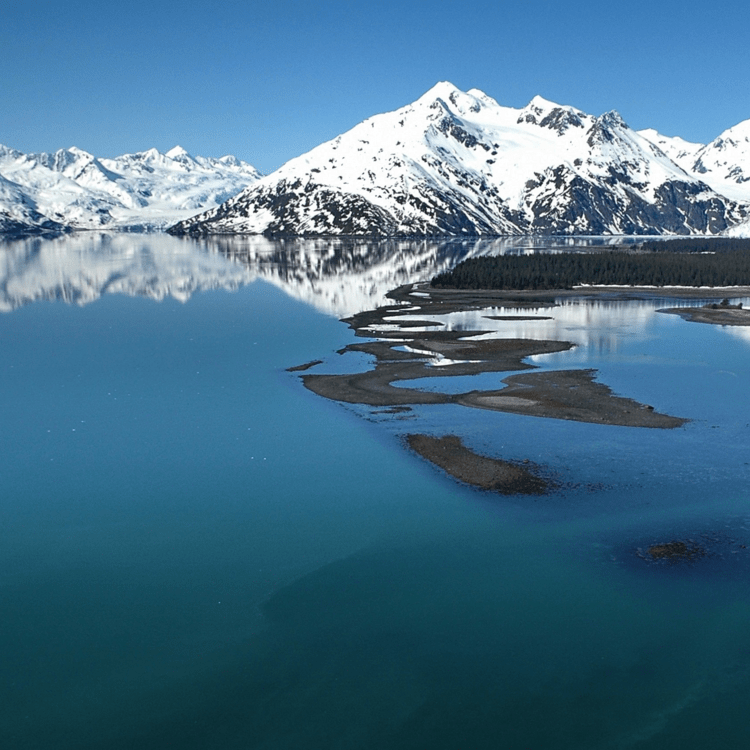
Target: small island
[(675, 551), (487, 473)]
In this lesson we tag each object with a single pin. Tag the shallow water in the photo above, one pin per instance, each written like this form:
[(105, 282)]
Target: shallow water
[(196, 552)]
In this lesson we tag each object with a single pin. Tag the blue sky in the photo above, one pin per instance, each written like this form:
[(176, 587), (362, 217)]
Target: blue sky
[(268, 81)]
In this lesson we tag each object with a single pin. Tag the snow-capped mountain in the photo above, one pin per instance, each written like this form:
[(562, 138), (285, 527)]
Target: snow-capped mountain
[(725, 162), (458, 163), (76, 190)]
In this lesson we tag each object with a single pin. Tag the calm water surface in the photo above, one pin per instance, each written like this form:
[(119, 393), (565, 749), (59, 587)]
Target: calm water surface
[(196, 552)]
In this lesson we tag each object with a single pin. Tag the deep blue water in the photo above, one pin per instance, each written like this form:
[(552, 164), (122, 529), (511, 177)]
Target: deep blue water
[(196, 552)]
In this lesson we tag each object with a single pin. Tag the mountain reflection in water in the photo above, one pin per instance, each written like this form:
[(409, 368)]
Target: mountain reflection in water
[(336, 276)]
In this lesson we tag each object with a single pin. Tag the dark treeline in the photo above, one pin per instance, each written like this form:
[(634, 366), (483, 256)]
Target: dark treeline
[(696, 245), (728, 265)]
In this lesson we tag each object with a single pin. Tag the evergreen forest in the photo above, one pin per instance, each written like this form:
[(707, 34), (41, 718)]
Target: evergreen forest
[(694, 262)]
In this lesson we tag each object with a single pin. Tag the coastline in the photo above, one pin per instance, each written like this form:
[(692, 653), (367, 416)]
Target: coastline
[(717, 316)]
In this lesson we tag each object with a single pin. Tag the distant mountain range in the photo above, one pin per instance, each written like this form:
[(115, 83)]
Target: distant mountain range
[(452, 163), (72, 189)]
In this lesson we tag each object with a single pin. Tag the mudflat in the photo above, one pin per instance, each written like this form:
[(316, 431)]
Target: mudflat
[(716, 315), (375, 387), (403, 355), (568, 394)]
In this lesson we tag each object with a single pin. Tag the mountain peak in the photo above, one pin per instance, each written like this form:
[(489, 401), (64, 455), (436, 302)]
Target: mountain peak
[(77, 151), (455, 100), (177, 153), (546, 114), (441, 90), (736, 134), (539, 102), (612, 119)]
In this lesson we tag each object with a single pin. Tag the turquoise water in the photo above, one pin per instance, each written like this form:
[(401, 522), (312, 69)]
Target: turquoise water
[(196, 552)]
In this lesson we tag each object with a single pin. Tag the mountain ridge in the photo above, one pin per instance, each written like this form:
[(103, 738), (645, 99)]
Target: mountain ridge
[(459, 163), (452, 163)]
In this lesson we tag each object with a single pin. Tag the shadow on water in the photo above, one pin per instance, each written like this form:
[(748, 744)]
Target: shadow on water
[(447, 647)]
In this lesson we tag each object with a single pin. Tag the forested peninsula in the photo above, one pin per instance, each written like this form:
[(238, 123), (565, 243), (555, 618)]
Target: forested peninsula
[(691, 262)]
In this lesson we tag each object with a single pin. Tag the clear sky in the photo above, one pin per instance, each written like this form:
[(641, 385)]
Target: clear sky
[(269, 80)]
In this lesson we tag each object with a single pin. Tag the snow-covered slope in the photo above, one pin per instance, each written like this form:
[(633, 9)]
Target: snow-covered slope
[(724, 164), (457, 163), (19, 213), (680, 151), (147, 190), (739, 230)]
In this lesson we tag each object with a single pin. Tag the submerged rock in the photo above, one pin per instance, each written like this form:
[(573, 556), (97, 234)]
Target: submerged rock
[(675, 551)]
